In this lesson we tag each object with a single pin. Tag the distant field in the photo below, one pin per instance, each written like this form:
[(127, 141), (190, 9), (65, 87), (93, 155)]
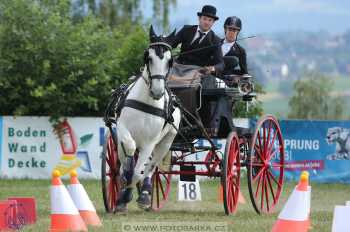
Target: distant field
[(277, 104), (324, 197)]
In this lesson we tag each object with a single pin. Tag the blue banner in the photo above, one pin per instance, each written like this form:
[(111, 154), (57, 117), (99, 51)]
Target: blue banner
[(321, 147)]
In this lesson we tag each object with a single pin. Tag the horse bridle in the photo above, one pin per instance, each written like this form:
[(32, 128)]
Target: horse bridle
[(146, 62)]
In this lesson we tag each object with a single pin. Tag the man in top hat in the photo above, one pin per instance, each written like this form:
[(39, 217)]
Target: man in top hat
[(202, 41), (231, 48)]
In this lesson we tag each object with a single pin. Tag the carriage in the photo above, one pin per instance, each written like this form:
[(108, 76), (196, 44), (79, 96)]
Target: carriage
[(206, 105)]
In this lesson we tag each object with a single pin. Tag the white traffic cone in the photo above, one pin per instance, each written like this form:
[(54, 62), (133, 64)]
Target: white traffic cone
[(296, 212), (82, 201), (64, 214)]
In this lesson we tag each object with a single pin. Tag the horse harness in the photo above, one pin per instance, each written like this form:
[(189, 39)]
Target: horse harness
[(166, 113)]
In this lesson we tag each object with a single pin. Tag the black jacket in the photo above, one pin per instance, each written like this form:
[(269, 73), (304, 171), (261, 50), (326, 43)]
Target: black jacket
[(239, 52), (207, 57)]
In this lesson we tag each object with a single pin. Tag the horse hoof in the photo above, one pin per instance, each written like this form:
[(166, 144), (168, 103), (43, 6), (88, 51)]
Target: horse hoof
[(125, 196), (121, 208), (144, 201)]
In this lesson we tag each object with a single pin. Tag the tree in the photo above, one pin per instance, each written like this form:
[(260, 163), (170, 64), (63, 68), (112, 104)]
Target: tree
[(313, 100), (51, 65), (161, 12), (117, 12), (253, 109)]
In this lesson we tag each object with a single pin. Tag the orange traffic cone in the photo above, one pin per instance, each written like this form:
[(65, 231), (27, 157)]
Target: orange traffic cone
[(64, 214), (241, 198), (295, 215), (82, 201), (221, 194)]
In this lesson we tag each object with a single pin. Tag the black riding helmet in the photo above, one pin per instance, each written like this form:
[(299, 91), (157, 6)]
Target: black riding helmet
[(234, 22)]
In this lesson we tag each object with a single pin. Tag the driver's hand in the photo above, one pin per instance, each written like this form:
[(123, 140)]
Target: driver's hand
[(211, 69)]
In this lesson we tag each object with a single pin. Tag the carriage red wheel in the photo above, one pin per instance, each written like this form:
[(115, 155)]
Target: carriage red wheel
[(110, 176), (231, 173), (161, 183), (266, 165)]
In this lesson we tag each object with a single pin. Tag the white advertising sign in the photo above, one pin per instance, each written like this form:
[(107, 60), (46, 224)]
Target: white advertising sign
[(30, 149)]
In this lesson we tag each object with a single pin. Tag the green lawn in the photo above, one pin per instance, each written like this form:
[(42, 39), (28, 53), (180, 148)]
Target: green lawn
[(278, 106), (324, 197)]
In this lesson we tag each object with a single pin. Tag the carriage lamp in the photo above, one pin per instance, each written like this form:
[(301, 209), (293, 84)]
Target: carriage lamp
[(67, 140), (246, 86)]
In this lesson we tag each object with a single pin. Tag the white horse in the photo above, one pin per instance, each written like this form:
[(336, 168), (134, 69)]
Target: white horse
[(141, 125)]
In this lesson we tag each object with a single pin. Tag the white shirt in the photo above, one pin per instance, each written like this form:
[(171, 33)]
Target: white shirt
[(226, 46), (197, 35)]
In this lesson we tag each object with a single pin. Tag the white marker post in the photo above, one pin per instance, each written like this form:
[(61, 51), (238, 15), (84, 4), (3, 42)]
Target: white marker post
[(189, 191), (341, 219)]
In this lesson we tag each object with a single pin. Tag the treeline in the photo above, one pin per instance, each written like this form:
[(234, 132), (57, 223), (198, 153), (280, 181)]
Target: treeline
[(56, 61)]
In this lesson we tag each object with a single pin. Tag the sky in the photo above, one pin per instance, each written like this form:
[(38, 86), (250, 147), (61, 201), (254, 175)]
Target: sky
[(268, 16)]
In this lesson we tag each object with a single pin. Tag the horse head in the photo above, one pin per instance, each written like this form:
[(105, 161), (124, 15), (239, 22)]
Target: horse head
[(158, 61)]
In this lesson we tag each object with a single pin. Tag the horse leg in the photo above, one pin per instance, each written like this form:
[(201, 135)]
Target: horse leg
[(127, 148), (159, 152), (141, 164)]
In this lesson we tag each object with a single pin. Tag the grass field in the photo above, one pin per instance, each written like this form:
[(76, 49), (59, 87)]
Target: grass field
[(324, 197)]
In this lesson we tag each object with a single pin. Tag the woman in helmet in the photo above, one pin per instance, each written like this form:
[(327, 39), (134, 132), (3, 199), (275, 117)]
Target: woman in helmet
[(230, 48)]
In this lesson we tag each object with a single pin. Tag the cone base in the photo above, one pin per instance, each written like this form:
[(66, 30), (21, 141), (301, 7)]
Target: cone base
[(90, 218), (290, 226), (66, 222), (241, 198)]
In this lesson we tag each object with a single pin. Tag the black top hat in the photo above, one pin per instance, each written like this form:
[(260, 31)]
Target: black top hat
[(209, 11)]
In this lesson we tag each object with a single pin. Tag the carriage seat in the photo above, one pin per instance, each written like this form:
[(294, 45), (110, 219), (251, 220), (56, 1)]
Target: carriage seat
[(185, 82)]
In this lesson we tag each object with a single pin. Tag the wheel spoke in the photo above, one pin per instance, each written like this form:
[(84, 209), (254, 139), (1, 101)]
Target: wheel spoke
[(277, 165), (271, 189), (232, 196), (257, 188), (270, 155), (268, 138), (228, 196), (259, 140), (111, 194), (272, 141), (262, 193), (273, 178), (267, 195), (264, 141), (157, 192), (258, 164), (161, 186), (259, 174), (257, 150)]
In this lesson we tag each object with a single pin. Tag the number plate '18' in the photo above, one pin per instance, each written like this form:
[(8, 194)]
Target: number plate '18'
[(189, 191)]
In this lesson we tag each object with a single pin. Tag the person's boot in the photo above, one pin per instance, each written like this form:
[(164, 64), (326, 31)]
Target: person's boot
[(144, 199)]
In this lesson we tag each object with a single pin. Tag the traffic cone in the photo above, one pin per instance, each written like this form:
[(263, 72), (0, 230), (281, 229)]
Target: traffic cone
[(296, 212), (241, 198), (67, 163), (64, 214), (82, 201)]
